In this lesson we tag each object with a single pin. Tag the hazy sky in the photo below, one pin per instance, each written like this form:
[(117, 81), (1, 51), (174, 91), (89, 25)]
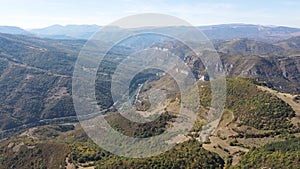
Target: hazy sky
[(42, 13)]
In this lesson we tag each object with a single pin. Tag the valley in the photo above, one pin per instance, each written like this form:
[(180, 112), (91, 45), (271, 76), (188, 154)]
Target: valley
[(39, 127)]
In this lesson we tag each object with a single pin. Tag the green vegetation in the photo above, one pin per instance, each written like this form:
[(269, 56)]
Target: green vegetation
[(250, 104), (276, 155), (41, 155), (35, 80), (142, 130), (35, 89), (185, 155), (59, 142), (86, 153)]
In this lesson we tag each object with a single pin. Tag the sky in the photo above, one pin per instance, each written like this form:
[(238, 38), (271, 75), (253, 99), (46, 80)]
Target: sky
[(29, 14)]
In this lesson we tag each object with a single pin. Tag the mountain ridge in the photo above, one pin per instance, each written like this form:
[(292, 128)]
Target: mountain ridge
[(13, 30), (221, 31)]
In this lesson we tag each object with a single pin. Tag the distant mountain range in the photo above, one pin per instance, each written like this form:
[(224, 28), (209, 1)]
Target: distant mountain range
[(256, 32), (13, 30), (67, 32), (214, 32)]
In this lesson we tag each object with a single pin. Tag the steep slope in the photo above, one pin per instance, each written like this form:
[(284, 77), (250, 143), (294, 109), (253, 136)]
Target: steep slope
[(35, 81), (275, 155), (278, 72), (291, 43), (233, 138), (246, 47), (266, 62), (36, 73), (252, 118), (269, 63), (248, 104)]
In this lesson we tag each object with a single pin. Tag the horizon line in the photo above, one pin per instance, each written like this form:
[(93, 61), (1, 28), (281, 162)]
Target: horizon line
[(205, 25)]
